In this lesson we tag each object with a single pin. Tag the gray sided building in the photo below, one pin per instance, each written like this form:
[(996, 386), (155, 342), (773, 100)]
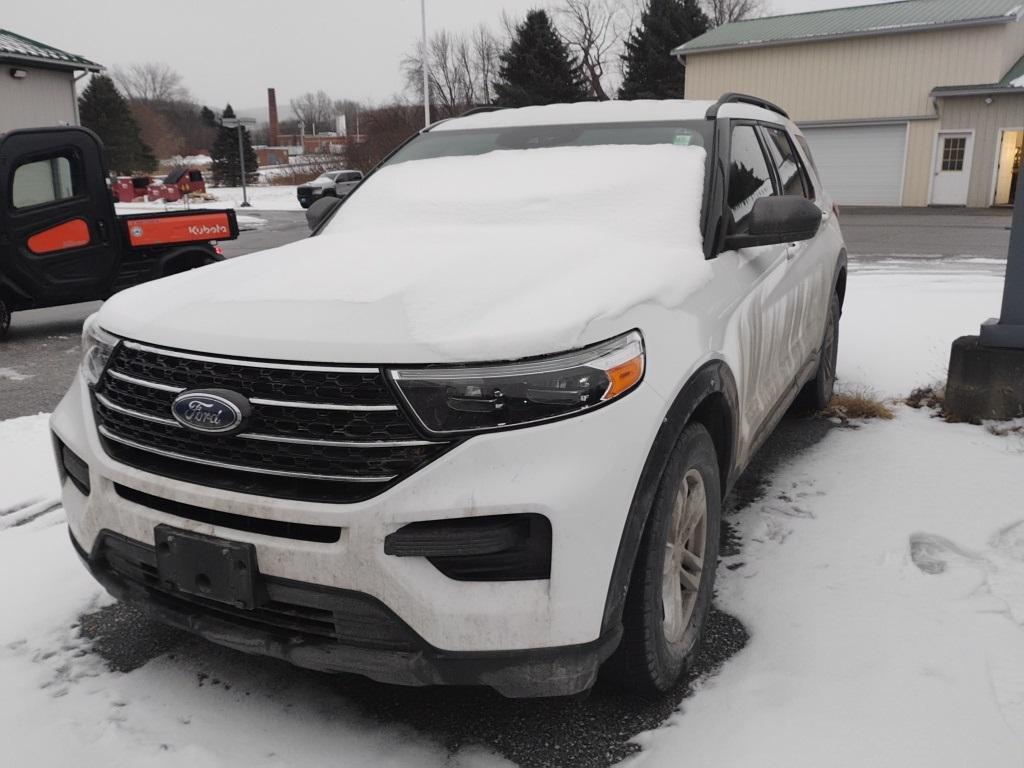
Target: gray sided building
[(37, 83)]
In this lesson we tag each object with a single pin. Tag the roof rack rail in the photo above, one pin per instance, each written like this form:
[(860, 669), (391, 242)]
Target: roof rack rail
[(481, 110), (742, 98)]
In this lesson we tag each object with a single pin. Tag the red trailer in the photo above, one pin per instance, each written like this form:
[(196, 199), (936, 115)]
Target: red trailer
[(131, 189), (177, 184)]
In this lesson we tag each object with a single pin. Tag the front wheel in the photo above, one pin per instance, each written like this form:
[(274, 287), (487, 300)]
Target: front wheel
[(5, 320), (670, 593)]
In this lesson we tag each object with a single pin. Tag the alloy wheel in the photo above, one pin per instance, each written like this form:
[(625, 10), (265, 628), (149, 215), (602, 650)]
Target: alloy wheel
[(685, 549)]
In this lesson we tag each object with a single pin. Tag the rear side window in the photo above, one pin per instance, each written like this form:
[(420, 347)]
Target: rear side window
[(352, 176), (808, 154), (749, 177), (45, 181), (792, 174)]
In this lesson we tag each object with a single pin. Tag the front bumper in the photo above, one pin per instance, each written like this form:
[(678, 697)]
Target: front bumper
[(388, 651), (580, 473)]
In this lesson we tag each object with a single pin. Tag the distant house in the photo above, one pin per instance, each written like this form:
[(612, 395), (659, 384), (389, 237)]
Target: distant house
[(37, 83), (912, 103)]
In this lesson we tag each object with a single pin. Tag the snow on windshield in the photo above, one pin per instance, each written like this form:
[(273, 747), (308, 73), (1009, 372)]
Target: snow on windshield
[(523, 244)]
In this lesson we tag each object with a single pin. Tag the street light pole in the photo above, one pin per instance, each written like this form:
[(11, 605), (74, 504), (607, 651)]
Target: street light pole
[(425, 65), (240, 123), (241, 161)]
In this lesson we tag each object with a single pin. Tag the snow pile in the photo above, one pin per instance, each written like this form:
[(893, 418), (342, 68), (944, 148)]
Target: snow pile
[(506, 255), (641, 110), (539, 241)]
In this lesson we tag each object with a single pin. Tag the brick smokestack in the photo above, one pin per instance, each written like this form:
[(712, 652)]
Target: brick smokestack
[(272, 105)]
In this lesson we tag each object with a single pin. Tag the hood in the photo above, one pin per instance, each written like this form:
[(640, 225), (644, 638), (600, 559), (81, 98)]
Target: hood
[(519, 268), (318, 183)]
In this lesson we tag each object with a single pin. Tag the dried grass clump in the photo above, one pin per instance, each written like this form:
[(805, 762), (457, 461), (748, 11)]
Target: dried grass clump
[(858, 405), (927, 397)]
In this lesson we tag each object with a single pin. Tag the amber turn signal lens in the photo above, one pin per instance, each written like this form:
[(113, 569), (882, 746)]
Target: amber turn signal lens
[(624, 377)]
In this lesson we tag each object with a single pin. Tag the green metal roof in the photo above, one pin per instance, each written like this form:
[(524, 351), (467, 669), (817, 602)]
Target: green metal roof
[(1016, 71), (17, 48), (885, 18)]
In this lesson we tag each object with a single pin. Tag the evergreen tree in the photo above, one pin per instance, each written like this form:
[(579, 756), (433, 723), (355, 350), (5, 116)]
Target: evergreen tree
[(226, 168), (537, 67), (103, 109), (208, 117), (650, 69)]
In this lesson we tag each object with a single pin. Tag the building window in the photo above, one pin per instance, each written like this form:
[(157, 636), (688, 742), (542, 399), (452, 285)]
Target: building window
[(953, 150)]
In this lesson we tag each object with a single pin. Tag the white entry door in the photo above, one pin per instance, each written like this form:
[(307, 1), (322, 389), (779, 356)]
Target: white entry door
[(952, 168)]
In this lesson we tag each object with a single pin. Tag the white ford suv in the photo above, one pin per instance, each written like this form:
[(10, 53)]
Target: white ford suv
[(478, 429)]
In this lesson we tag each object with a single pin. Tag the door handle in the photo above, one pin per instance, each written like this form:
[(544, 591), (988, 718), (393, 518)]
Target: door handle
[(101, 228), (791, 251)]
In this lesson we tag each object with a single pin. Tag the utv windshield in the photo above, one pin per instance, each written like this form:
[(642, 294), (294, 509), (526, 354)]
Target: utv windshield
[(455, 143)]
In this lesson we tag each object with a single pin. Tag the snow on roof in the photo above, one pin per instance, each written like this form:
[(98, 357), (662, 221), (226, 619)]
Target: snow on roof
[(583, 112), (883, 18), (18, 48)]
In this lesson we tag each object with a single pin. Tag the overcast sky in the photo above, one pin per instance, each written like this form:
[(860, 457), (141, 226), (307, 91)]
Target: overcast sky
[(233, 50)]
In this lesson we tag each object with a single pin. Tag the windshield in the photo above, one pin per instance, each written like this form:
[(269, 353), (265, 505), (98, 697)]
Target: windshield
[(455, 143)]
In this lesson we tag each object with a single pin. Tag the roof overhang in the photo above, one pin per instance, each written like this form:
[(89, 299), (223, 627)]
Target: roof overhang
[(877, 32), (945, 91), (35, 62)]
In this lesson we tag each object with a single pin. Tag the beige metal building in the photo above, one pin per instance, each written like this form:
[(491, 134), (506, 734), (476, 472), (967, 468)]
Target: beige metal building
[(37, 83), (914, 103)]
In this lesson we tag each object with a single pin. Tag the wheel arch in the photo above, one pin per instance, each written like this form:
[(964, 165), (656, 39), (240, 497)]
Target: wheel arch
[(839, 284), (709, 398), (185, 258)]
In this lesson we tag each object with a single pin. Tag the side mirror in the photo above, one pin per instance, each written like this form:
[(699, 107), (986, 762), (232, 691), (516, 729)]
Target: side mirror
[(320, 211), (776, 220)]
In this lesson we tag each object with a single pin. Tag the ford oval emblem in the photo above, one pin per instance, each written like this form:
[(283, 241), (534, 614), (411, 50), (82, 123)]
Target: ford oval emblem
[(212, 411)]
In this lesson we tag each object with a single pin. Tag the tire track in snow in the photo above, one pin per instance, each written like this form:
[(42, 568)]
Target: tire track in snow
[(28, 512)]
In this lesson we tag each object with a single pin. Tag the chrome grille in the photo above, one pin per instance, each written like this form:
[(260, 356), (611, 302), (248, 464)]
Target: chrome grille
[(317, 432)]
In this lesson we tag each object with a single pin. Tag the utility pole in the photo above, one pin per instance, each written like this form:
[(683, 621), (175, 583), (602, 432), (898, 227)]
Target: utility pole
[(426, 65)]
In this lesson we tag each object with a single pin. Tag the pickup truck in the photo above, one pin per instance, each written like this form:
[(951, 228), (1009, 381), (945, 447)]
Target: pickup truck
[(61, 239)]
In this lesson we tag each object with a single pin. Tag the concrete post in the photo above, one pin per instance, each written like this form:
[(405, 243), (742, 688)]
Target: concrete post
[(1008, 330), (986, 372)]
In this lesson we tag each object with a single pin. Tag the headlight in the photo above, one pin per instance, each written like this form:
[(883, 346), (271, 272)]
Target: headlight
[(450, 401), (97, 346)]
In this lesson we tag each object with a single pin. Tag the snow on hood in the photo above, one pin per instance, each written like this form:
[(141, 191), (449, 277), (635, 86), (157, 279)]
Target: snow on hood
[(498, 256)]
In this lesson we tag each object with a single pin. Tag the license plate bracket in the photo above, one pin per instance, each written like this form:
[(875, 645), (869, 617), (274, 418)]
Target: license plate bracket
[(206, 566)]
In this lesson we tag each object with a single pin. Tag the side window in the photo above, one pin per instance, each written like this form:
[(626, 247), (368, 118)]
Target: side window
[(792, 174), (45, 181), (749, 177), (809, 155)]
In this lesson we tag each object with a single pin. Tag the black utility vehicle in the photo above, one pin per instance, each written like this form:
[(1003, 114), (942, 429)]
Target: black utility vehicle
[(61, 241)]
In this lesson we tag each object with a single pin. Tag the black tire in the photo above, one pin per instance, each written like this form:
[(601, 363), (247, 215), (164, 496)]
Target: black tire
[(817, 393), (5, 320), (656, 651)]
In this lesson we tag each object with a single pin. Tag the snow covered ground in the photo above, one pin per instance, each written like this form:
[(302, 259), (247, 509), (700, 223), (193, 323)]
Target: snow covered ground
[(268, 198), (881, 579)]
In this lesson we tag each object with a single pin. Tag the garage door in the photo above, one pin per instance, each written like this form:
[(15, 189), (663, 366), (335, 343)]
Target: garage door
[(861, 165)]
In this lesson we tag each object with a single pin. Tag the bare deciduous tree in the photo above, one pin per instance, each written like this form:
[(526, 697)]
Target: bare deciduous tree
[(486, 48), (150, 81), (726, 11), (594, 30), (316, 110)]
